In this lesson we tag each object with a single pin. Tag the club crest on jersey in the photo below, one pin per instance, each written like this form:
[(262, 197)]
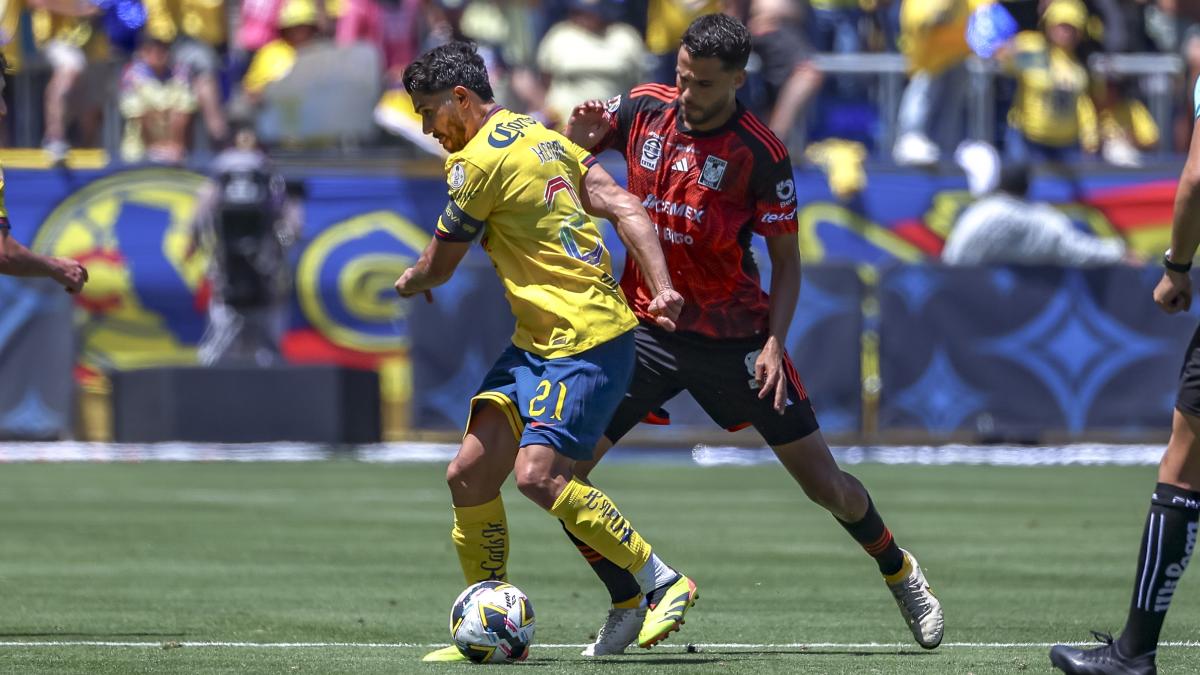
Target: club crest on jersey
[(651, 152), (613, 104), (458, 176), (713, 172), (785, 190)]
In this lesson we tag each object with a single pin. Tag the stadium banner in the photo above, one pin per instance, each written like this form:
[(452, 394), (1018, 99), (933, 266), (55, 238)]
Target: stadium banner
[(37, 357), (455, 340), (1010, 352), (145, 305)]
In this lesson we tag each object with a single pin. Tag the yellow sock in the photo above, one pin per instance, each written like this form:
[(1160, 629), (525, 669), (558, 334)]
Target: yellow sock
[(480, 536), (594, 519)]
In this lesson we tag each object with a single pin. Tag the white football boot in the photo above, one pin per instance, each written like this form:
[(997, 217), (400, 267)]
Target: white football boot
[(619, 631), (918, 604)]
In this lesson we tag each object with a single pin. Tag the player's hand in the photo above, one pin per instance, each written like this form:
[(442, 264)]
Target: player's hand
[(768, 370), (70, 274), (1174, 292), (665, 308), (404, 284), (588, 124)]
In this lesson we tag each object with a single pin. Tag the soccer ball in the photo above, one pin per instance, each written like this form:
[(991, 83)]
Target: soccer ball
[(492, 622)]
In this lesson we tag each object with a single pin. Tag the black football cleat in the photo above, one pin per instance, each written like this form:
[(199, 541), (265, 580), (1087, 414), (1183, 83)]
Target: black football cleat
[(1104, 660)]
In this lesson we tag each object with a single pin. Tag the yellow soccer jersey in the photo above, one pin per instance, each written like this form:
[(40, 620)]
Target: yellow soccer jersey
[(517, 182), (1052, 106)]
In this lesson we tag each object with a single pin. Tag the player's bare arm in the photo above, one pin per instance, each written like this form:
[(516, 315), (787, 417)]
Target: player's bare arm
[(587, 125), (604, 198), (1174, 291), (784, 293), (18, 261), (434, 268)]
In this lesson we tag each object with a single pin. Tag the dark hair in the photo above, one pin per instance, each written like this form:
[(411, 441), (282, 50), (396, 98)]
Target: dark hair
[(448, 66), (1014, 179), (720, 36)]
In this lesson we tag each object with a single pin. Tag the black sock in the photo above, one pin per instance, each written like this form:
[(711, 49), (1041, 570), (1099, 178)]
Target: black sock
[(876, 540), (621, 584), (1167, 544)]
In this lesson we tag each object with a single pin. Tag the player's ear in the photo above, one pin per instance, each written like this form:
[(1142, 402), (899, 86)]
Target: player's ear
[(461, 96), (739, 78)]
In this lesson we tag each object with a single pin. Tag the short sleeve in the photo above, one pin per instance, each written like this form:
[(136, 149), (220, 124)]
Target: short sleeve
[(472, 198), (774, 188), (586, 159), (620, 112)]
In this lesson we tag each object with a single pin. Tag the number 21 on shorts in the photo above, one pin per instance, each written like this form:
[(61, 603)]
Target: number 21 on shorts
[(537, 406)]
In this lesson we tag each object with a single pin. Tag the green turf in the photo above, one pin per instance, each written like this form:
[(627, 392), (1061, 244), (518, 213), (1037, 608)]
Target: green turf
[(358, 553)]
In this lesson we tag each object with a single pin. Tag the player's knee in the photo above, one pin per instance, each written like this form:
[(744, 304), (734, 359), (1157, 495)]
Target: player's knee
[(461, 472), (539, 487)]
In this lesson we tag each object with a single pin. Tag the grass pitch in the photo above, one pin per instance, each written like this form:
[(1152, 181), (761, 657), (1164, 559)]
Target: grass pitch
[(346, 567)]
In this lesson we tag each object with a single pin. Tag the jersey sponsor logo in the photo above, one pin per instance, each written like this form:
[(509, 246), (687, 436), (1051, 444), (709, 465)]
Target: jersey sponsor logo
[(651, 152), (673, 237), (713, 172), (549, 151), (785, 190), (655, 205), (778, 216), (458, 176), (505, 133)]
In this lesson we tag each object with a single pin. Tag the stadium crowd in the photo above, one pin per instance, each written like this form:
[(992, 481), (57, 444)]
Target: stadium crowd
[(176, 71)]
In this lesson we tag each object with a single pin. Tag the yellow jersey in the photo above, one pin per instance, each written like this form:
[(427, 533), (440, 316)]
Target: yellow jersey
[(668, 20), (516, 183), (1052, 106), (203, 20)]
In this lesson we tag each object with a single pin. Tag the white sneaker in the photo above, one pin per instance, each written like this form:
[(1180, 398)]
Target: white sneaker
[(619, 631), (918, 604), (915, 149)]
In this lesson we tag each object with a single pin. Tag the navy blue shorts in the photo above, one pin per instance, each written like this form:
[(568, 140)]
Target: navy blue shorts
[(564, 403)]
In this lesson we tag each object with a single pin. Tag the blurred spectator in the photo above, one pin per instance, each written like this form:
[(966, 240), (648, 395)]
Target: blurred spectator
[(197, 28), (933, 37), (395, 27), (65, 35), (667, 21), (1126, 127), (1053, 115), (157, 102), (247, 224), (791, 79), (297, 28), (1006, 228), (833, 26), (587, 57)]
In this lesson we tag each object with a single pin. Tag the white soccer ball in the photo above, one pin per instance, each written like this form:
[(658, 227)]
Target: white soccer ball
[(492, 622)]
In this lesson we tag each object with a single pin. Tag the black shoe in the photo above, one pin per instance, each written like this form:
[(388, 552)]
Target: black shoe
[(1106, 660)]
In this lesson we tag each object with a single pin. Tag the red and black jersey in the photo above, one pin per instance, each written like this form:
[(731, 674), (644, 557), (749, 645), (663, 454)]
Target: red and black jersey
[(708, 193)]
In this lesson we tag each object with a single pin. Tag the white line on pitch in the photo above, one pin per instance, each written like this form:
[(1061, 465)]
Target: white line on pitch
[(402, 645)]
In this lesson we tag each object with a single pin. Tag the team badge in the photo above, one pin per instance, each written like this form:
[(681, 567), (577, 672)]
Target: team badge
[(785, 190), (713, 172), (458, 176), (613, 104), (651, 151)]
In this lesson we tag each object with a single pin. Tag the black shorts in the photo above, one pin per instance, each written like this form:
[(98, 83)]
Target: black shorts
[(1188, 398), (719, 374)]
